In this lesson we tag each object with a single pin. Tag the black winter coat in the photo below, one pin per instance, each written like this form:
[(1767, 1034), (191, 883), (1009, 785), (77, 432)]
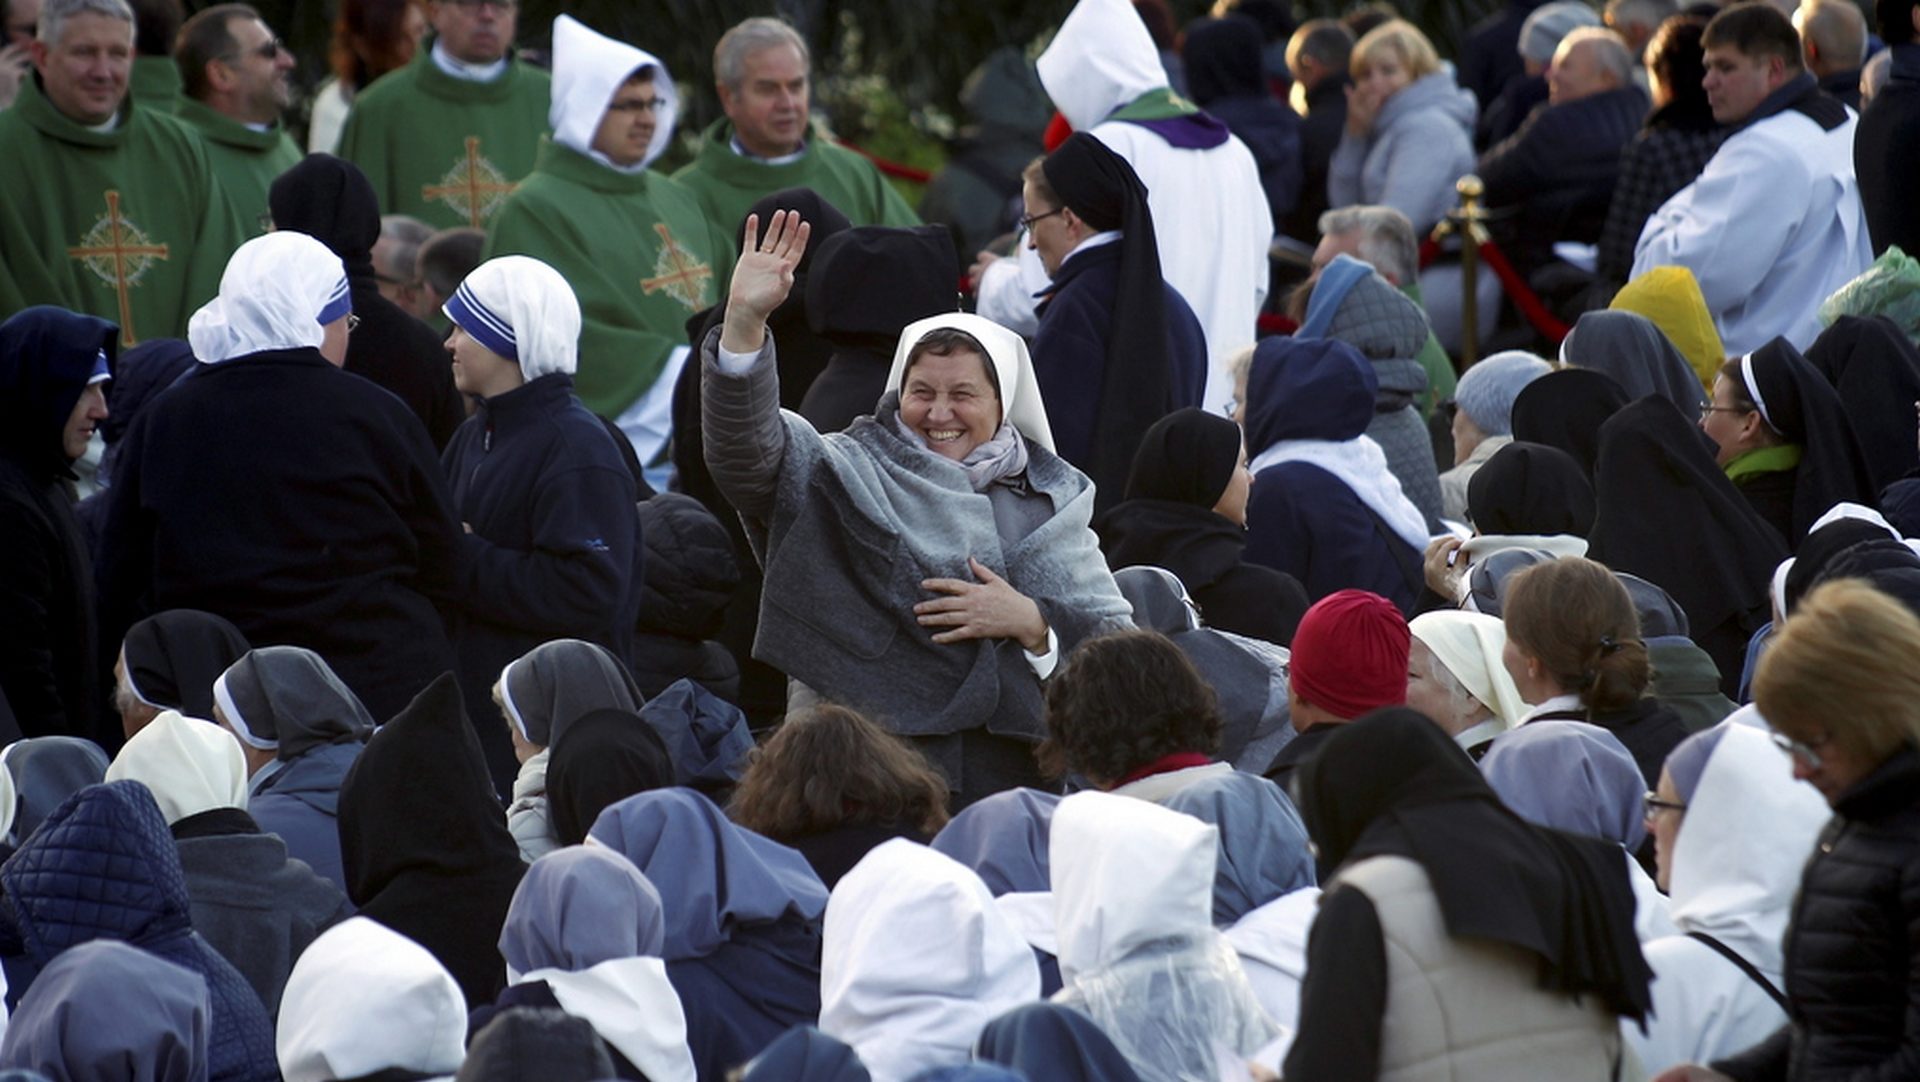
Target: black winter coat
[(1885, 147), (1851, 955), (1559, 169), (689, 577), (1320, 132), (1204, 550), (47, 650)]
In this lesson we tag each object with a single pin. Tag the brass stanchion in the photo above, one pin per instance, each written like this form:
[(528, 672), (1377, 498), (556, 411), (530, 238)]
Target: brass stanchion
[(1469, 221)]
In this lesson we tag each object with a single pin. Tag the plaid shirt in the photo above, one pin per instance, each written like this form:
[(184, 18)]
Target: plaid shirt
[(1660, 161)]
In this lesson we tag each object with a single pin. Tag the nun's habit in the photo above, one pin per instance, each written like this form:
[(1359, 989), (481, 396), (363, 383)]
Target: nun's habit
[(1133, 903), (1736, 866), (1183, 467), (1667, 513), (172, 659), (1470, 646), (254, 904), (107, 1012), (1875, 369), (247, 431), (804, 1054), (1531, 489), (102, 866), (1046, 1040), (1118, 348), (46, 770), (536, 1042), (1547, 917), (850, 524), (742, 921), (1326, 508), (1565, 409), (1637, 354), (542, 693), (1004, 840), (285, 699), (916, 960), (1797, 402), (425, 849), (366, 1002), (609, 755), (584, 934)]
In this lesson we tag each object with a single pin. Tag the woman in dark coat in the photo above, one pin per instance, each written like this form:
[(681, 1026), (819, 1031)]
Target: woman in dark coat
[(1875, 369), (1839, 686), (1186, 511), (1226, 78)]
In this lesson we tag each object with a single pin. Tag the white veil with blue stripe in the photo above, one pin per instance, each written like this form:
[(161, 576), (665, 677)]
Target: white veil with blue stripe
[(278, 292)]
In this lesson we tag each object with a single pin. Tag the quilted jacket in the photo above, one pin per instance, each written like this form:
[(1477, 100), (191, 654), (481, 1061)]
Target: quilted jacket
[(103, 866)]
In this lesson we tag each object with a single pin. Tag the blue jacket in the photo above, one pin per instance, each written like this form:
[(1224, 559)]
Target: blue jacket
[(103, 866), (553, 551), (301, 803), (1070, 359)]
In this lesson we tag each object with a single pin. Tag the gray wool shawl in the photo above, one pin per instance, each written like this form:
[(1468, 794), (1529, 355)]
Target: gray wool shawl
[(848, 524)]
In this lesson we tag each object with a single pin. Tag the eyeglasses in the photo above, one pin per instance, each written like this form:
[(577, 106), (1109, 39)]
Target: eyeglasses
[(1707, 406), (267, 51), (639, 105), (1026, 223), (1803, 753), (1656, 804), (353, 323)]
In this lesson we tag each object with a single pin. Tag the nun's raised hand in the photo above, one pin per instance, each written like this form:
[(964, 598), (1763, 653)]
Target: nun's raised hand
[(762, 278), (988, 609)]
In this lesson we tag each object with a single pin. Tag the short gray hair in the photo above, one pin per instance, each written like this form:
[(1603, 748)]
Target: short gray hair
[(55, 13), (1837, 29), (1386, 239), (1647, 13), (1609, 51), (406, 233), (747, 38)]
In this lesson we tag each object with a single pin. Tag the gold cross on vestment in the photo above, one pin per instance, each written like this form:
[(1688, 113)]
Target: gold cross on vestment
[(474, 186), (677, 271), (117, 251)]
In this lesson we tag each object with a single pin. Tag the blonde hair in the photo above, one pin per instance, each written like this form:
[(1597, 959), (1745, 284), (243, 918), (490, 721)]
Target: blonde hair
[(1400, 39), (1846, 663)]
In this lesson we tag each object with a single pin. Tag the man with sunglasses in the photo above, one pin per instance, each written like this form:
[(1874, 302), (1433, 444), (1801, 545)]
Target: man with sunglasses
[(635, 245), (233, 88), (449, 136)]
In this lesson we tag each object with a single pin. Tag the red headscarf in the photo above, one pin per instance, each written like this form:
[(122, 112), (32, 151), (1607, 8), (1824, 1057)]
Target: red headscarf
[(1350, 654)]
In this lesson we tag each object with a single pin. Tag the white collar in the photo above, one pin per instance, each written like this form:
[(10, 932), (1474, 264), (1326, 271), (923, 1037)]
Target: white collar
[(1097, 240), (460, 69), (1480, 733), (1559, 704), (784, 159)]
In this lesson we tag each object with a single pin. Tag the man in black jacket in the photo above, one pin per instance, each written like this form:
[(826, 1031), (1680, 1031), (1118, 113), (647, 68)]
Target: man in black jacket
[(1887, 142), (1317, 56), (53, 368)]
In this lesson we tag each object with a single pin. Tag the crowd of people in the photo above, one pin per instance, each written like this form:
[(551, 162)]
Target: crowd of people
[(478, 606)]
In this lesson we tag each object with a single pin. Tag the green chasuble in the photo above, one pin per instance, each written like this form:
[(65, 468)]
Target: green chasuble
[(245, 161), (445, 150), (129, 225), (155, 83), (640, 254), (729, 184), (1441, 379)]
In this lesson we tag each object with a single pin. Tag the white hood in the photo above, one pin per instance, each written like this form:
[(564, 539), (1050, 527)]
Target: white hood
[(1126, 873), (190, 766), (1747, 833), (632, 1006), (1101, 59), (917, 959), (364, 998), (587, 68)]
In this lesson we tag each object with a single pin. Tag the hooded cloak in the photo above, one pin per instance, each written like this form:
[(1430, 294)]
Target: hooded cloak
[(189, 766), (1046, 1040), (1876, 371), (916, 960), (559, 682), (279, 292), (609, 755), (1003, 838), (1565, 409), (107, 1012), (366, 1002), (804, 1054), (588, 69), (1263, 845), (285, 699), (1570, 776), (1637, 354), (1531, 489), (867, 282), (45, 771), (424, 845)]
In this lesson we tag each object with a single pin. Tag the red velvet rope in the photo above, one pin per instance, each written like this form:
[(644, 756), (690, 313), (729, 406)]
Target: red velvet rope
[(1532, 308)]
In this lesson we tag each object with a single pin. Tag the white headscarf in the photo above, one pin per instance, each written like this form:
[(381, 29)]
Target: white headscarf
[(523, 310), (1469, 644), (1012, 368), (191, 766), (1101, 59), (588, 68), (916, 960), (278, 292), (363, 998)]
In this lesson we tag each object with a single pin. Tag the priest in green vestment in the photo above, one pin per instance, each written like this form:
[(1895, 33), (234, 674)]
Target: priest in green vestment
[(447, 137), (761, 71), (234, 74), (640, 253), (110, 209)]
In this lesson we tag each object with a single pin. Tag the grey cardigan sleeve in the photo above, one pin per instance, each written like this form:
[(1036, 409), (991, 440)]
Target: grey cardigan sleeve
[(745, 442)]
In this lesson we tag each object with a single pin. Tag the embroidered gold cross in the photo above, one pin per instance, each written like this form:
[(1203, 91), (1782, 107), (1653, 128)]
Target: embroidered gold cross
[(678, 272), (474, 186), (117, 251)]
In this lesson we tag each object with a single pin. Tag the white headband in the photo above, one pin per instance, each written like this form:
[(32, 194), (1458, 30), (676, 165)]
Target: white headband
[(236, 720)]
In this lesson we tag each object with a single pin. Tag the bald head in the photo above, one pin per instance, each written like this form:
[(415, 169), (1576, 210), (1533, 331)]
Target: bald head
[(1833, 36), (1588, 61)]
